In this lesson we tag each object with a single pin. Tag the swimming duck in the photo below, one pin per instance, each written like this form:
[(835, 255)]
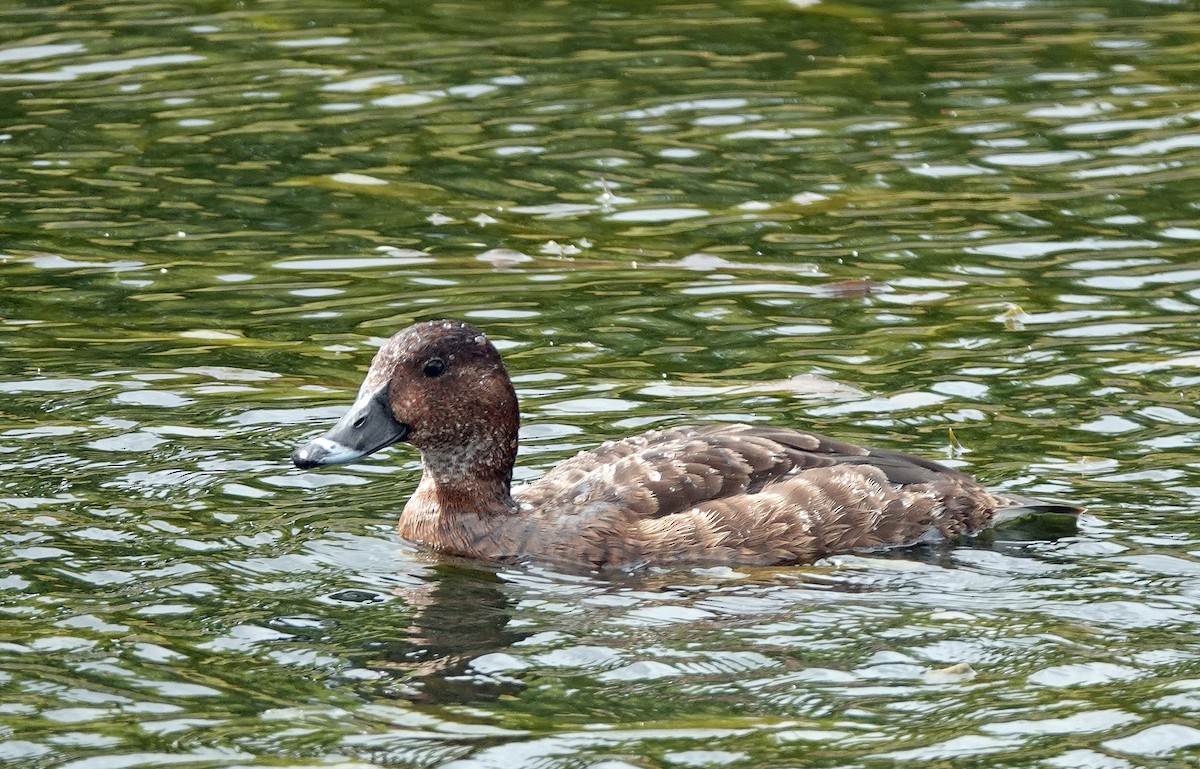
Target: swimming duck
[(713, 494)]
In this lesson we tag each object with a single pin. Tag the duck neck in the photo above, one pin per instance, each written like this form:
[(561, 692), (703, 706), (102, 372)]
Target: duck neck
[(468, 468), (467, 481), (468, 462)]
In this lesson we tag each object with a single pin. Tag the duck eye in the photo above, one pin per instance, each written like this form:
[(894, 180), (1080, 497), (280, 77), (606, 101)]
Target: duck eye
[(434, 367)]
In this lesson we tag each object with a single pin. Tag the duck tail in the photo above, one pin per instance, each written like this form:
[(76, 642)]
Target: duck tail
[(1015, 508)]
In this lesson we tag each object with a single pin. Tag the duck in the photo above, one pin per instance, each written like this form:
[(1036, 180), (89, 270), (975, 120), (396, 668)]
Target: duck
[(706, 495)]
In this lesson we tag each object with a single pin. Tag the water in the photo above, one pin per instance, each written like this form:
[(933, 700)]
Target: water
[(886, 221)]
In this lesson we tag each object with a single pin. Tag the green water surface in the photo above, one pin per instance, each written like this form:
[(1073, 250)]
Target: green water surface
[(885, 221)]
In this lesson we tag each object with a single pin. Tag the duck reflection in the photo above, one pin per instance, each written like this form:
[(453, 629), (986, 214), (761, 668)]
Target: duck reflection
[(459, 614)]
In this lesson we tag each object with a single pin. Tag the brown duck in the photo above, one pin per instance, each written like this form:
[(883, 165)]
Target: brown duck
[(716, 494)]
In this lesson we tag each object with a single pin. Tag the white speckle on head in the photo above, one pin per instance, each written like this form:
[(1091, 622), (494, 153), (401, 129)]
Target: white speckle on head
[(480, 339)]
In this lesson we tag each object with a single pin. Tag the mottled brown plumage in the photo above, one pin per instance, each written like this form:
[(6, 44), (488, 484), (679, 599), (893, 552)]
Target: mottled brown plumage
[(716, 494)]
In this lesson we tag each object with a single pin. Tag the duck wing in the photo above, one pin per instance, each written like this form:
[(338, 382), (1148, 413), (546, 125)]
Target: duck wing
[(666, 472), (754, 494)]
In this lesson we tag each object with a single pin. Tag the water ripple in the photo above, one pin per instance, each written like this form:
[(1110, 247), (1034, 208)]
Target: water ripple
[(875, 222)]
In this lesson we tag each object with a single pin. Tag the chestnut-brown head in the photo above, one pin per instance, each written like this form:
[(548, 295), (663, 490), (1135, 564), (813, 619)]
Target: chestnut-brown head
[(440, 386)]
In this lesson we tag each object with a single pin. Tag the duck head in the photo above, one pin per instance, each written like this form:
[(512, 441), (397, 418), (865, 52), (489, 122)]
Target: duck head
[(439, 386)]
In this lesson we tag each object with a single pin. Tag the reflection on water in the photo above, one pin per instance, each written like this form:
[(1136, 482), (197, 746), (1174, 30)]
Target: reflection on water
[(886, 223)]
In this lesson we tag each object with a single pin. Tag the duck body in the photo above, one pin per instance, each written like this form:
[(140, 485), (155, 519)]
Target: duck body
[(712, 494)]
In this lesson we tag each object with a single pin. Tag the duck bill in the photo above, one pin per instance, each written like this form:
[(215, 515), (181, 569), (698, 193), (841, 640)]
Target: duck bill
[(366, 428)]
